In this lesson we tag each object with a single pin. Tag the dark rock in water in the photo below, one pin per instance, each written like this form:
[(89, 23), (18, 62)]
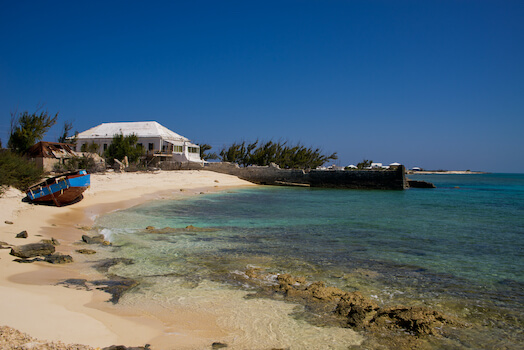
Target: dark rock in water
[(420, 184), (86, 251), (77, 283), (217, 345), (52, 241), (32, 249), (116, 286), (22, 234), (104, 265), (27, 261), (98, 239), (417, 320), (122, 347), (361, 312), (58, 258)]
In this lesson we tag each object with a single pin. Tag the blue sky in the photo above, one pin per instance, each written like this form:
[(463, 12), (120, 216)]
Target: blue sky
[(435, 84)]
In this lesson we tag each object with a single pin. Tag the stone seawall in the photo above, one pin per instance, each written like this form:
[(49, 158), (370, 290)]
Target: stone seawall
[(355, 179)]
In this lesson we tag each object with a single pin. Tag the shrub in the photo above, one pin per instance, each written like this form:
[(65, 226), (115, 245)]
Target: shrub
[(17, 171), (84, 162)]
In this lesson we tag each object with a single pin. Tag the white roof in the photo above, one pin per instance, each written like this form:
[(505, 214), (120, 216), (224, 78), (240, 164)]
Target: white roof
[(141, 129), (394, 164)]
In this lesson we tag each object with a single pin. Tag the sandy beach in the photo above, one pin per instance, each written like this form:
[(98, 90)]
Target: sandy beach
[(31, 301)]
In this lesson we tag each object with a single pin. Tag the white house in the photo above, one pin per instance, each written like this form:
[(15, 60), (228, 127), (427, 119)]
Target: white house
[(156, 139)]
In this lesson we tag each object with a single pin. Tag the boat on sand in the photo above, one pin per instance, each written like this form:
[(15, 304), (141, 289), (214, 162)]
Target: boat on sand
[(62, 189)]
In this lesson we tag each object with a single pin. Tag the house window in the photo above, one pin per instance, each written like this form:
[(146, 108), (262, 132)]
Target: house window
[(193, 149), (178, 149), (151, 145)]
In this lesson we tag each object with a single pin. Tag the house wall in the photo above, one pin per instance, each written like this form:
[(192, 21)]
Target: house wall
[(154, 145), (46, 164)]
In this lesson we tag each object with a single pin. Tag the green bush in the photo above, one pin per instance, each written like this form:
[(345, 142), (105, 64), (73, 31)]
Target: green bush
[(123, 146), (77, 163), (17, 171)]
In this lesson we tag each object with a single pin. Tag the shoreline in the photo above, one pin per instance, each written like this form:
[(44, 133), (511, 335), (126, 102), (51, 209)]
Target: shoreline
[(42, 309)]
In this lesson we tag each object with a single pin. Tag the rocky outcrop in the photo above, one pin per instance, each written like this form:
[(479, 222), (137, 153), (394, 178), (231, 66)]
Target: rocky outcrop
[(32, 250), (416, 320), (354, 309), (420, 184)]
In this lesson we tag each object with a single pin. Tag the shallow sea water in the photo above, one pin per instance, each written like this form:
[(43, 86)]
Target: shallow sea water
[(457, 248)]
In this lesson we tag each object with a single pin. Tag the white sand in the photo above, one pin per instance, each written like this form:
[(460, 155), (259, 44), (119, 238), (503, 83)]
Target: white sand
[(31, 303)]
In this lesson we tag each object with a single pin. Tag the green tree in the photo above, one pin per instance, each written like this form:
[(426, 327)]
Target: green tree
[(27, 129), (239, 153), (203, 152), (366, 163), (91, 148), (280, 153), (68, 126), (122, 146)]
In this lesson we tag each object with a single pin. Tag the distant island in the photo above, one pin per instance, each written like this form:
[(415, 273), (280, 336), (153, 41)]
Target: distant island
[(449, 172)]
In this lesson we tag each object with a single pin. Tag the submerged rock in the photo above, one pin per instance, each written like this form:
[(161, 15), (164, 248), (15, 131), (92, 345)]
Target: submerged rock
[(58, 258), (86, 251), (98, 239), (122, 347), (181, 230), (104, 265), (77, 283), (116, 286), (32, 250)]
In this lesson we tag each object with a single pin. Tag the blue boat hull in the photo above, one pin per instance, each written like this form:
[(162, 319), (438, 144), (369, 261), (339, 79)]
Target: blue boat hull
[(62, 189)]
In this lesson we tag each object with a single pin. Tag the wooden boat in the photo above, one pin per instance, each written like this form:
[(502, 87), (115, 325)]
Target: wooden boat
[(61, 189)]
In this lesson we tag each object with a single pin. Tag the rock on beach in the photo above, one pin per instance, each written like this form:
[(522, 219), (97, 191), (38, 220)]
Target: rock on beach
[(32, 250)]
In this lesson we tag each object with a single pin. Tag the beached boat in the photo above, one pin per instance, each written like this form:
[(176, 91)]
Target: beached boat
[(61, 189)]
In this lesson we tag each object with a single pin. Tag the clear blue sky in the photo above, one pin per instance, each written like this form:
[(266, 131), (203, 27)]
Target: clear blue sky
[(435, 84)]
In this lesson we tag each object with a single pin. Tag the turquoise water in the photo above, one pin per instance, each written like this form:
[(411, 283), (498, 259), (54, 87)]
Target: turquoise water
[(458, 247)]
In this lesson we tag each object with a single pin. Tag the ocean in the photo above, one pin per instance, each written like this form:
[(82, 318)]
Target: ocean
[(458, 248)]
